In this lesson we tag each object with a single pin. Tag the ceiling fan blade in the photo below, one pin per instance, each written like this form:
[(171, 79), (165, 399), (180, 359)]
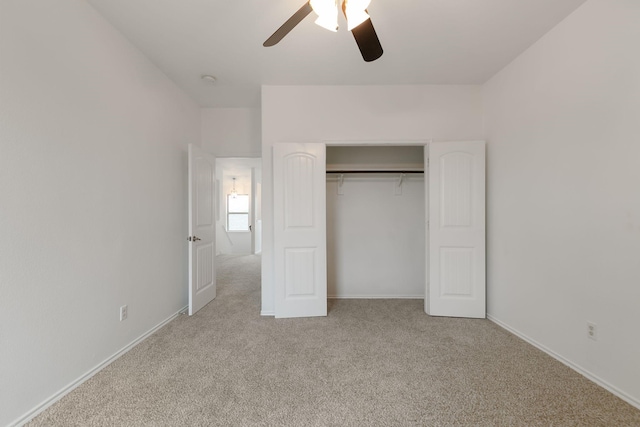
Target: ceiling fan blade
[(289, 25), (367, 41)]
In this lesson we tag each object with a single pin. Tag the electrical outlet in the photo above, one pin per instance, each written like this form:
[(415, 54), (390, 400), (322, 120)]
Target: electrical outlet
[(124, 312), (592, 331)]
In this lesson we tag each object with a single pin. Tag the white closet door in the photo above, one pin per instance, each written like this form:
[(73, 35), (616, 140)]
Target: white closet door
[(299, 196), (456, 232)]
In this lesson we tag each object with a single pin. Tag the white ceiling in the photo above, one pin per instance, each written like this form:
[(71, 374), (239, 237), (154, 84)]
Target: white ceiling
[(240, 168), (424, 41)]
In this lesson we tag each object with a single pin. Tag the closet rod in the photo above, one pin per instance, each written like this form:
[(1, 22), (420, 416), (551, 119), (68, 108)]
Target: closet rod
[(372, 171)]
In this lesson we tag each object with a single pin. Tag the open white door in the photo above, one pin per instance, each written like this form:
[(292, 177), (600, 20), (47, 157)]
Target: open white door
[(456, 198), (202, 221), (299, 188)]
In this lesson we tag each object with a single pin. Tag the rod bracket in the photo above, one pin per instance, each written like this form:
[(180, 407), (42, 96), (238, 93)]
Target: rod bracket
[(398, 191)]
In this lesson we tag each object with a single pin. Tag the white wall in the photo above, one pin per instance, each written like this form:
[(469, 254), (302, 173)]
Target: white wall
[(562, 123), (357, 113), (93, 193), (231, 132)]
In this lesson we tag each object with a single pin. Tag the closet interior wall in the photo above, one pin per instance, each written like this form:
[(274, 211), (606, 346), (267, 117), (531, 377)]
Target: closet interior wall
[(375, 222)]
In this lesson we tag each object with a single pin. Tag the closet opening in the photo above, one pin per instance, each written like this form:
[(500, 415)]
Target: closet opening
[(383, 246), (375, 201)]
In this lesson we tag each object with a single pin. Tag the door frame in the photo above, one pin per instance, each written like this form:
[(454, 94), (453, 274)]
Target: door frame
[(221, 163)]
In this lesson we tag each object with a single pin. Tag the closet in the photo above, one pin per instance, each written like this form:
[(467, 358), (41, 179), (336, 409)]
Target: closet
[(375, 222), (453, 236)]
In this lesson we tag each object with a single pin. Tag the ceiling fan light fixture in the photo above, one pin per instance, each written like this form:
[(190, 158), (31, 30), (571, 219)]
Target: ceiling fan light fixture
[(356, 12), (358, 21), (357, 4), (355, 18), (327, 11), (328, 23)]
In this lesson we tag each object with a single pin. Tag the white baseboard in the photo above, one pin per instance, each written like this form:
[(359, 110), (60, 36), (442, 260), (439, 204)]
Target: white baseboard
[(579, 369), (272, 313), (60, 394), (375, 296)]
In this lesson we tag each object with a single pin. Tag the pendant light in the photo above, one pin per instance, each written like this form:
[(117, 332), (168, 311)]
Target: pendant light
[(234, 193)]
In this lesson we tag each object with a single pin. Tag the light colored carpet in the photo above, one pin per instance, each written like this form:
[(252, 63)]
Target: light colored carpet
[(368, 363)]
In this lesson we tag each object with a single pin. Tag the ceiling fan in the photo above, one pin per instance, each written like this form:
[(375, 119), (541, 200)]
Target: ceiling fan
[(358, 22)]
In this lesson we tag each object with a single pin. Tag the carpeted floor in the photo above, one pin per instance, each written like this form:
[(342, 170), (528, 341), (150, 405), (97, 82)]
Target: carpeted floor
[(368, 363)]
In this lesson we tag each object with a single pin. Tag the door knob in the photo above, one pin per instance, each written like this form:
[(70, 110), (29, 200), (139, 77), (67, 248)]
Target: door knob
[(193, 239)]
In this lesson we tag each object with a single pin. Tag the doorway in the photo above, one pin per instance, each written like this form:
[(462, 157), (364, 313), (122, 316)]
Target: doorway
[(239, 212)]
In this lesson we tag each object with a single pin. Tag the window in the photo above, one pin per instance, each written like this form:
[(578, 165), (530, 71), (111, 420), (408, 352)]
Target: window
[(238, 212)]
